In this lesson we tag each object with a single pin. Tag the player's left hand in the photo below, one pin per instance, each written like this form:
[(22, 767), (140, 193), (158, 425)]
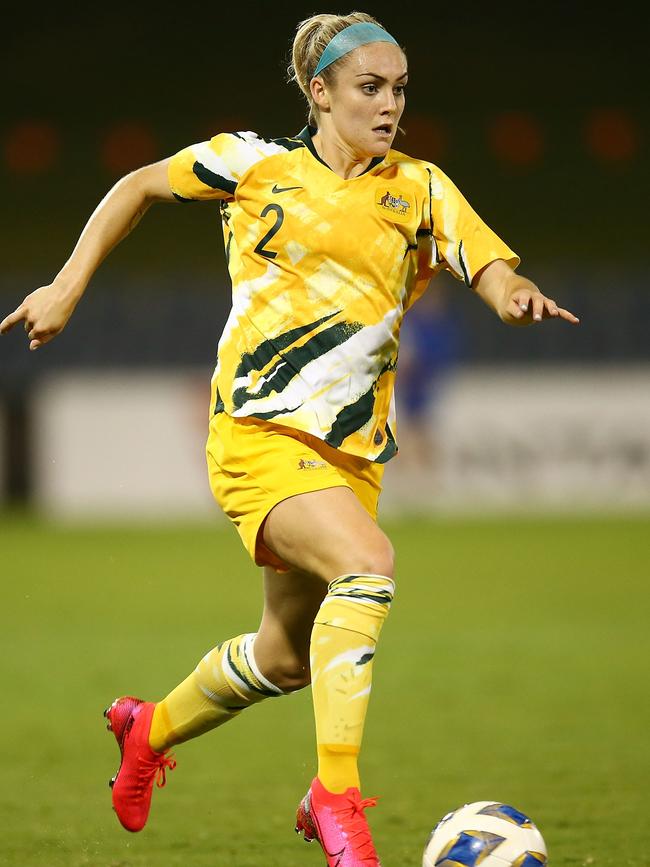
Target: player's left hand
[(515, 299), (528, 305)]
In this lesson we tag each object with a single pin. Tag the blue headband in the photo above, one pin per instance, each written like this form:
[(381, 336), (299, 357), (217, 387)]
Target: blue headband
[(349, 39)]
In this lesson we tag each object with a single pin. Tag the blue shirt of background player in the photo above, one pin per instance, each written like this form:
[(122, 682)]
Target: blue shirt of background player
[(429, 346)]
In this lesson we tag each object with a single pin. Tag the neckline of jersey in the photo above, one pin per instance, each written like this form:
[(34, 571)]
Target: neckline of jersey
[(305, 136)]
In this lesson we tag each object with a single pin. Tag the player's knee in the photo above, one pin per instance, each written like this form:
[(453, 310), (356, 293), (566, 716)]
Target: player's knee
[(290, 674), (383, 559), (375, 557)]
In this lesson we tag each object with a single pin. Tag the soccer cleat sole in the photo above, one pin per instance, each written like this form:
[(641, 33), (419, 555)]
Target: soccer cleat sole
[(304, 824), (119, 735), (301, 830), (123, 707), (109, 727)]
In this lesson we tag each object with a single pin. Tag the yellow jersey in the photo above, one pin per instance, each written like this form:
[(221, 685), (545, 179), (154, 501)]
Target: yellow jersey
[(323, 270)]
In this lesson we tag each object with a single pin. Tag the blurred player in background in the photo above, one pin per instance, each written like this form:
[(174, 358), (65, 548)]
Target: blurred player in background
[(330, 236), (430, 345)]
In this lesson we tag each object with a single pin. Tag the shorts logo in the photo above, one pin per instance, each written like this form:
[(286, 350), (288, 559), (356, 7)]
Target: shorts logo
[(311, 465), (393, 204)]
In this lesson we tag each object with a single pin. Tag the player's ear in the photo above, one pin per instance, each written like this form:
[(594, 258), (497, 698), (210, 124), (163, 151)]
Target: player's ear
[(319, 93)]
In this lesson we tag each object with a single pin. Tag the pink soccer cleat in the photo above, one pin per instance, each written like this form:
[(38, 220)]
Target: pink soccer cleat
[(130, 721), (339, 824)]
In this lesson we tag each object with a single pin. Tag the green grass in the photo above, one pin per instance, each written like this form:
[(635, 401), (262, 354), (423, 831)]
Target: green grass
[(513, 667)]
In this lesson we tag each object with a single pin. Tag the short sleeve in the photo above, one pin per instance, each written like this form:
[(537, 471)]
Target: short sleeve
[(205, 170), (462, 242)]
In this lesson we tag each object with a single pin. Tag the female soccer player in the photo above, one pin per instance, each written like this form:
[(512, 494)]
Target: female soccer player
[(330, 236)]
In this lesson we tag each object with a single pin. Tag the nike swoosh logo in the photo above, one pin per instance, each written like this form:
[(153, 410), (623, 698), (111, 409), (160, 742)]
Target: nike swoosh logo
[(277, 189)]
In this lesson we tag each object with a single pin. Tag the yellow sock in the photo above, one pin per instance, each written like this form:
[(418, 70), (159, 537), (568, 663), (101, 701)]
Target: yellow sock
[(343, 643), (226, 681)]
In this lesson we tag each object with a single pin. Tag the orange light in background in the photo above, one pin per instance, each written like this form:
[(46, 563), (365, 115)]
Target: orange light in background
[(612, 135), (426, 137), (516, 138), (32, 147), (128, 146)]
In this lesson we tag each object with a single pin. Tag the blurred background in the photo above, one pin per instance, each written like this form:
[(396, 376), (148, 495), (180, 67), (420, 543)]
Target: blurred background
[(540, 117)]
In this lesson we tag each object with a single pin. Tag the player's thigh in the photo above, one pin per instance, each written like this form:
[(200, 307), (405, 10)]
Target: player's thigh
[(291, 602), (328, 533)]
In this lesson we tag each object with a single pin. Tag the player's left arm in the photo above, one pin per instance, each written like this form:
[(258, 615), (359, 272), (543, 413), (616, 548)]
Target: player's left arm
[(515, 299)]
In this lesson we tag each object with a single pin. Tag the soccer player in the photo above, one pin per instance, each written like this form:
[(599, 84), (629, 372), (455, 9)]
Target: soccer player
[(330, 236)]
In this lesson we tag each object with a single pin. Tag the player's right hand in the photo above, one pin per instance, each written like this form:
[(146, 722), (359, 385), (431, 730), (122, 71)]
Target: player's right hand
[(45, 313)]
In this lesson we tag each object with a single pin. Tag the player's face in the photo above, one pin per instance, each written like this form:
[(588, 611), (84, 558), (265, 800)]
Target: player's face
[(367, 99)]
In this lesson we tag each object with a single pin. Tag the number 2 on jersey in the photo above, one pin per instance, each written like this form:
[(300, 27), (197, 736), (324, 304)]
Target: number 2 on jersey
[(279, 219)]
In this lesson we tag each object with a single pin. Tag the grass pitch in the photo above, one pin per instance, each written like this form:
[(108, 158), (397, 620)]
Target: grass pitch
[(513, 667)]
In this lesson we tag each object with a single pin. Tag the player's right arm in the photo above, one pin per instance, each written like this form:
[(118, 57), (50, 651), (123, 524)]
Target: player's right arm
[(46, 311)]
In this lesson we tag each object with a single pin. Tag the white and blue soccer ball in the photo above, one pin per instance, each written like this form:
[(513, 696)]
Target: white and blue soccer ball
[(485, 834)]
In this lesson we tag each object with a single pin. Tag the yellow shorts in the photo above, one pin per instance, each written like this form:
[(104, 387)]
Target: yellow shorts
[(254, 465)]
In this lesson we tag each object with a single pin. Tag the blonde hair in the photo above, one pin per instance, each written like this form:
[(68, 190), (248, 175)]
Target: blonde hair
[(313, 35)]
